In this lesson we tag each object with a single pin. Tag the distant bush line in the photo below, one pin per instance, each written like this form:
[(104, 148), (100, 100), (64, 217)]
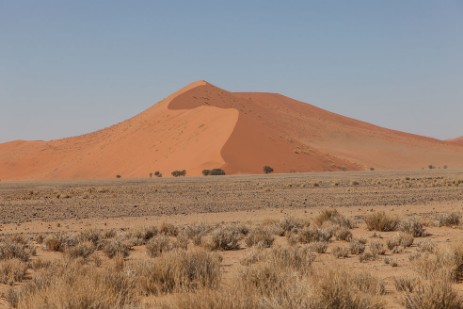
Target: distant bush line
[(178, 173), (214, 172)]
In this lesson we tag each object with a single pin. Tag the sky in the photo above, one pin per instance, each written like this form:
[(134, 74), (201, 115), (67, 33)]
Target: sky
[(72, 67)]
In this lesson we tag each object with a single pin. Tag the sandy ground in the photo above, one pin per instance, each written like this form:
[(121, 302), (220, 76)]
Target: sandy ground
[(43, 207)]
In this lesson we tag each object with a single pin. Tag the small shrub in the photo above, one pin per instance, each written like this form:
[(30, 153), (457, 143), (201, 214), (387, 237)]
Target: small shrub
[(13, 250), (295, 258), (115, 247), (225, 239), (356, 247), (400, 239), (267, 169), (380, 221), (340, 251), (206, 172), (343, 234), (158, 245), (367, 256), (451, 219), (413, 226), (318, 246), (367, 283), (168, 229), (83, 250), (217, 172), (333, 216), (158, 174), (260, 237), (181, 271), (310, 234), (377, 248), (178, 173), (435, 294), (12, 270), (404, 284), (427, 246), (288, 224)]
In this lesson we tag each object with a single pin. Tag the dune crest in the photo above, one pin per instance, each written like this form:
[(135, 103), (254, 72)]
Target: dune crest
[(458, 140), (202, 126)]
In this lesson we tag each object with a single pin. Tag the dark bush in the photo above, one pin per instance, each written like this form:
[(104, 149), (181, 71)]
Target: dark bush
[(178, 173), (158, 174), (217, 171), (206, 172), (213, 172), (267, 169)]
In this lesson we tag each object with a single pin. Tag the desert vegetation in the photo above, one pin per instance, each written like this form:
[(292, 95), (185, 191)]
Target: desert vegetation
[(281, 264), (363, 254), (178, 173), (267, 169), (213, 172)]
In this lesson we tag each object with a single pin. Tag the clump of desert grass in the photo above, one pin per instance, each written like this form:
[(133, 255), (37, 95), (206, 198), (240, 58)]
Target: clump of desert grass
[(402, 239), (309, 234), (413, 226), (448, 219), (75, 285), (260, 236), (179, 271), (158, 245), (333, 216), (12, 270), (356, 246), (11, 248), (116, 247), (340, 251), (225, 238), (437, 292), (80, 250), (381, 221)]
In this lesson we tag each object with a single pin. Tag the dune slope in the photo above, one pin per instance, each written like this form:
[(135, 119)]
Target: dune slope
[(202, 126), (458, 140)]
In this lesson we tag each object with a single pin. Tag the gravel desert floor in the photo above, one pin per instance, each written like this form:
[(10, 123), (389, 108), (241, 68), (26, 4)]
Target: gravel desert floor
[(304, 240)]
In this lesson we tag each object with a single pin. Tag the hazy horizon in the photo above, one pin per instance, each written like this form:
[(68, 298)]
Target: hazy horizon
[(69, 68)]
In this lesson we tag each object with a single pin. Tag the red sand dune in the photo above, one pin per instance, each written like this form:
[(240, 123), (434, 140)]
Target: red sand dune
[(458, 140), (202, 126)]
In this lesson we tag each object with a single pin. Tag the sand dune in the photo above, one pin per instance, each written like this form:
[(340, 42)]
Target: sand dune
[(458, 140), (202, 126)]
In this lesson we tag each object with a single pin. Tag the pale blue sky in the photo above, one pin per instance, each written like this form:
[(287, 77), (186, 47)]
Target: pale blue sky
[(71, 67)]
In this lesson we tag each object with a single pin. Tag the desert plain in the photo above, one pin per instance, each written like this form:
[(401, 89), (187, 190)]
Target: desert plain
[(359, 239)]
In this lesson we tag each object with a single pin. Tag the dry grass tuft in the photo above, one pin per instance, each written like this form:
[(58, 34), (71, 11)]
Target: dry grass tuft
[(414, 227), (158, 245), (168, 229), (400, 239), (83, 250), (115, 247), (9, 249), (73, 285), (449, 219), (12, 270), (179, 270), (340, 251), (260, 237), (437, 293), (333, 216), (380, 221), (225, 239)]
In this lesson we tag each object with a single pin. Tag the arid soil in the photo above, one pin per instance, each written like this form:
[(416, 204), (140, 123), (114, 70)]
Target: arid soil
[(40, 213), (62, 200)]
